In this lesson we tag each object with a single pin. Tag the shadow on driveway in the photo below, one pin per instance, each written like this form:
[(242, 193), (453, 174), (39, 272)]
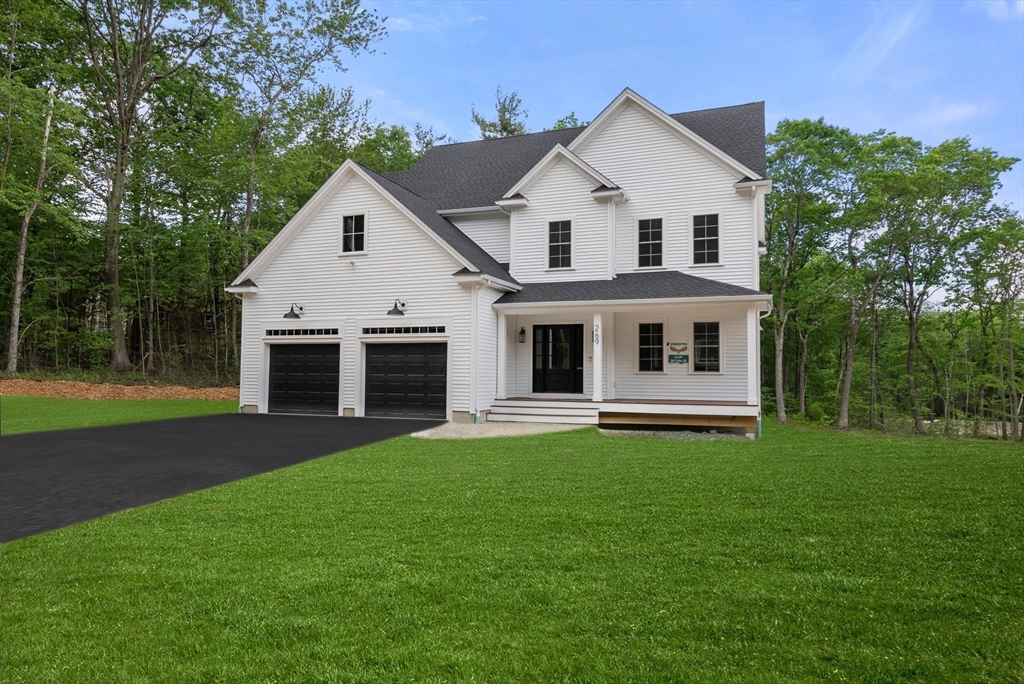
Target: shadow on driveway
[(50, 480)]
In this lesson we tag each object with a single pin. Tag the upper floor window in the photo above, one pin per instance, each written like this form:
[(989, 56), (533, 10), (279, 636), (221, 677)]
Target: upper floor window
[(560, 244), (649, 245), (705, 239), (707, 355), (651, 350), (353, 233)]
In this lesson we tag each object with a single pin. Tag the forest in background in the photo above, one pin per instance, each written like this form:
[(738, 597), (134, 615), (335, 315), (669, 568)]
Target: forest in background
[(152, 149)]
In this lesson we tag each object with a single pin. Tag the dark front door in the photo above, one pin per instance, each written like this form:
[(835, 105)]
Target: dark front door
[(304, 378), (558, 358), (408, 380)]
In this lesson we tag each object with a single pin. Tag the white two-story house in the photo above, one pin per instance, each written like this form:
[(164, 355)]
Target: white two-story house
[(606, 274)]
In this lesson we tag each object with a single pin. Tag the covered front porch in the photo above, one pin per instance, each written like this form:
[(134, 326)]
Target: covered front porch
[(689, 361)]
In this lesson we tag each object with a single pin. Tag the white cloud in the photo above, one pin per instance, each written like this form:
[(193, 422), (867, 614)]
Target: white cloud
[(885, 33), (941, 114), (1000, 10), (432, 24)]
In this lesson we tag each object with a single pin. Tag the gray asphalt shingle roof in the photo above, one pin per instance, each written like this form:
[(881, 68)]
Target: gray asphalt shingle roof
[(626, 286), (476, 174), (445, 229)]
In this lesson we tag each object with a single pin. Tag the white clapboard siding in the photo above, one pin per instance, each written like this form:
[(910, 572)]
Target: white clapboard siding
[(487, 349), (400, 262), (677, 382), (667, 178), (490, 231), (561, 193)]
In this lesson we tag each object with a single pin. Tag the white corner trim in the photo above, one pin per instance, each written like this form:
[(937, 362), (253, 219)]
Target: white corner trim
[(557, 153), (627, 97)]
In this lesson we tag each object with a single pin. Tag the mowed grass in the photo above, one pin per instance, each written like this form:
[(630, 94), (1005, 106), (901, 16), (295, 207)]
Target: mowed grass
[(35, 414), (573, 557)]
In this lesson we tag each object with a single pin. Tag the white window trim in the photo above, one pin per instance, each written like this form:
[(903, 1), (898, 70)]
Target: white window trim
[(721, 347), (693, 239), (341, 233), (572, 244), (636, 244), (664, 346)]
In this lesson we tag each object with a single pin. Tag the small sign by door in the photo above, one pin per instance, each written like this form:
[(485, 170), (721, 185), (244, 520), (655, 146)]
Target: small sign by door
[(678, 358)]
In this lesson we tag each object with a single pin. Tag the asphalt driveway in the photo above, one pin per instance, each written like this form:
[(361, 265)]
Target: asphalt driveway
[(52, 479)]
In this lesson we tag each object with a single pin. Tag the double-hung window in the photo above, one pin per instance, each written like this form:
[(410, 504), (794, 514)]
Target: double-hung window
[(560, 244), (353, 233), (707, 354), (651, 351), (649, 245), (705, 239)]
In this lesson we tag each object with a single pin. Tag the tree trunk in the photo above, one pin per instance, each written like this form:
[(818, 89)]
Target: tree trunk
[(780, 392), (111, 241), (844, 401), (915, 411), (19, 269), (801, 372)]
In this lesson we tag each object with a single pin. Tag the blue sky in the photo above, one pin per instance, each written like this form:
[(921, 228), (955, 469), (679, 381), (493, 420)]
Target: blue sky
[(929, 70)]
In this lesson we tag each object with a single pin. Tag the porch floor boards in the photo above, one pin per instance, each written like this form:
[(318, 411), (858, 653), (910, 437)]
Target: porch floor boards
[(671, 402)]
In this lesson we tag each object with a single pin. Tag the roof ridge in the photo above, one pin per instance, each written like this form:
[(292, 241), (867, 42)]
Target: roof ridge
[(711, 109), (508, 137)]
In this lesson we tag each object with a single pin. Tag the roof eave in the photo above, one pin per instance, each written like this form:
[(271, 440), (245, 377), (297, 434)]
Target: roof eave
[(753, 297)]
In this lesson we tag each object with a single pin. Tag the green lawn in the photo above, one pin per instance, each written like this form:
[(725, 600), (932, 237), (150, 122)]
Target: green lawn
[(570, 557), (34, 414)]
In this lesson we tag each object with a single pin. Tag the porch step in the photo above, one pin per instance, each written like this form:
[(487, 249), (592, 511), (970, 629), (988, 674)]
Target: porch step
[(538, 418), (535, 404), (553, 411)]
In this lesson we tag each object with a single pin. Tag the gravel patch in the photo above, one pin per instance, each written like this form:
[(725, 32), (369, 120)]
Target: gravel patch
[(496, 429), (66, 389)]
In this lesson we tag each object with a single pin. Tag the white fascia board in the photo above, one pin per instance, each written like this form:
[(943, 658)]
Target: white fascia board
[(512, 203), (627, 96), (629, 303), (762, 183), (469, 210), (317, 201), (241, 289), (558, 152), (491, 281)]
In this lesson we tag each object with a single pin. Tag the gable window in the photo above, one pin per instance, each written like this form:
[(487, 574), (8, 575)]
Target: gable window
[(649, 243), (651, 350), (707, 355), (353, 233), (705, 239), (560, 244)]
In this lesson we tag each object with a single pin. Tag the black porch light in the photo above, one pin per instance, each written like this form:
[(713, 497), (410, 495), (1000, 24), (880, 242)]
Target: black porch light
[(291, 313), (522, 335), (396, 310)]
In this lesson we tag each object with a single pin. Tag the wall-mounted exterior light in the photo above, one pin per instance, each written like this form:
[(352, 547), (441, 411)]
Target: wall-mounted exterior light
[(397, 309), (522, 335), (292, 314)]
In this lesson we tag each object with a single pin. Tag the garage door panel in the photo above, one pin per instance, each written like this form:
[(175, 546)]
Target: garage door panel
[(304, 378), (407, 379)]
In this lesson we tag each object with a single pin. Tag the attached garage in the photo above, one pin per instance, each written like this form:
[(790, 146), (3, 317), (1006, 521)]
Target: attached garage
[(304, 378), (408, 380)]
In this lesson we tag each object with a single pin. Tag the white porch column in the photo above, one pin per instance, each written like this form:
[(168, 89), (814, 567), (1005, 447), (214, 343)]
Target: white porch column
[(598, 365), (502, 354), (753, 348)]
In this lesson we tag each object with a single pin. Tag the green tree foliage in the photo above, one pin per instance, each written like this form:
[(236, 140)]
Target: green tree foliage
[(510, 117), (569, 121)]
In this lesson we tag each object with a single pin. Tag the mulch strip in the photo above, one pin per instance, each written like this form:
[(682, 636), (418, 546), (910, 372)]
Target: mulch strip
[(66, 389)]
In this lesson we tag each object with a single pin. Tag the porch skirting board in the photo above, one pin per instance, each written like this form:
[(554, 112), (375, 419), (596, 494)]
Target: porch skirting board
[(626, 412)]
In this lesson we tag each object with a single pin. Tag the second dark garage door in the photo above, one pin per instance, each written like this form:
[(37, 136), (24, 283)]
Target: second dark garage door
[(408, 380)]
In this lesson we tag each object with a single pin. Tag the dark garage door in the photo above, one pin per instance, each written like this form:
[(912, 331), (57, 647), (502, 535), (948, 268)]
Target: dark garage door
[(304, 378), (408, 380)]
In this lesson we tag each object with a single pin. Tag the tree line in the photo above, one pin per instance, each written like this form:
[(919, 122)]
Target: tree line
[(152, 149)]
